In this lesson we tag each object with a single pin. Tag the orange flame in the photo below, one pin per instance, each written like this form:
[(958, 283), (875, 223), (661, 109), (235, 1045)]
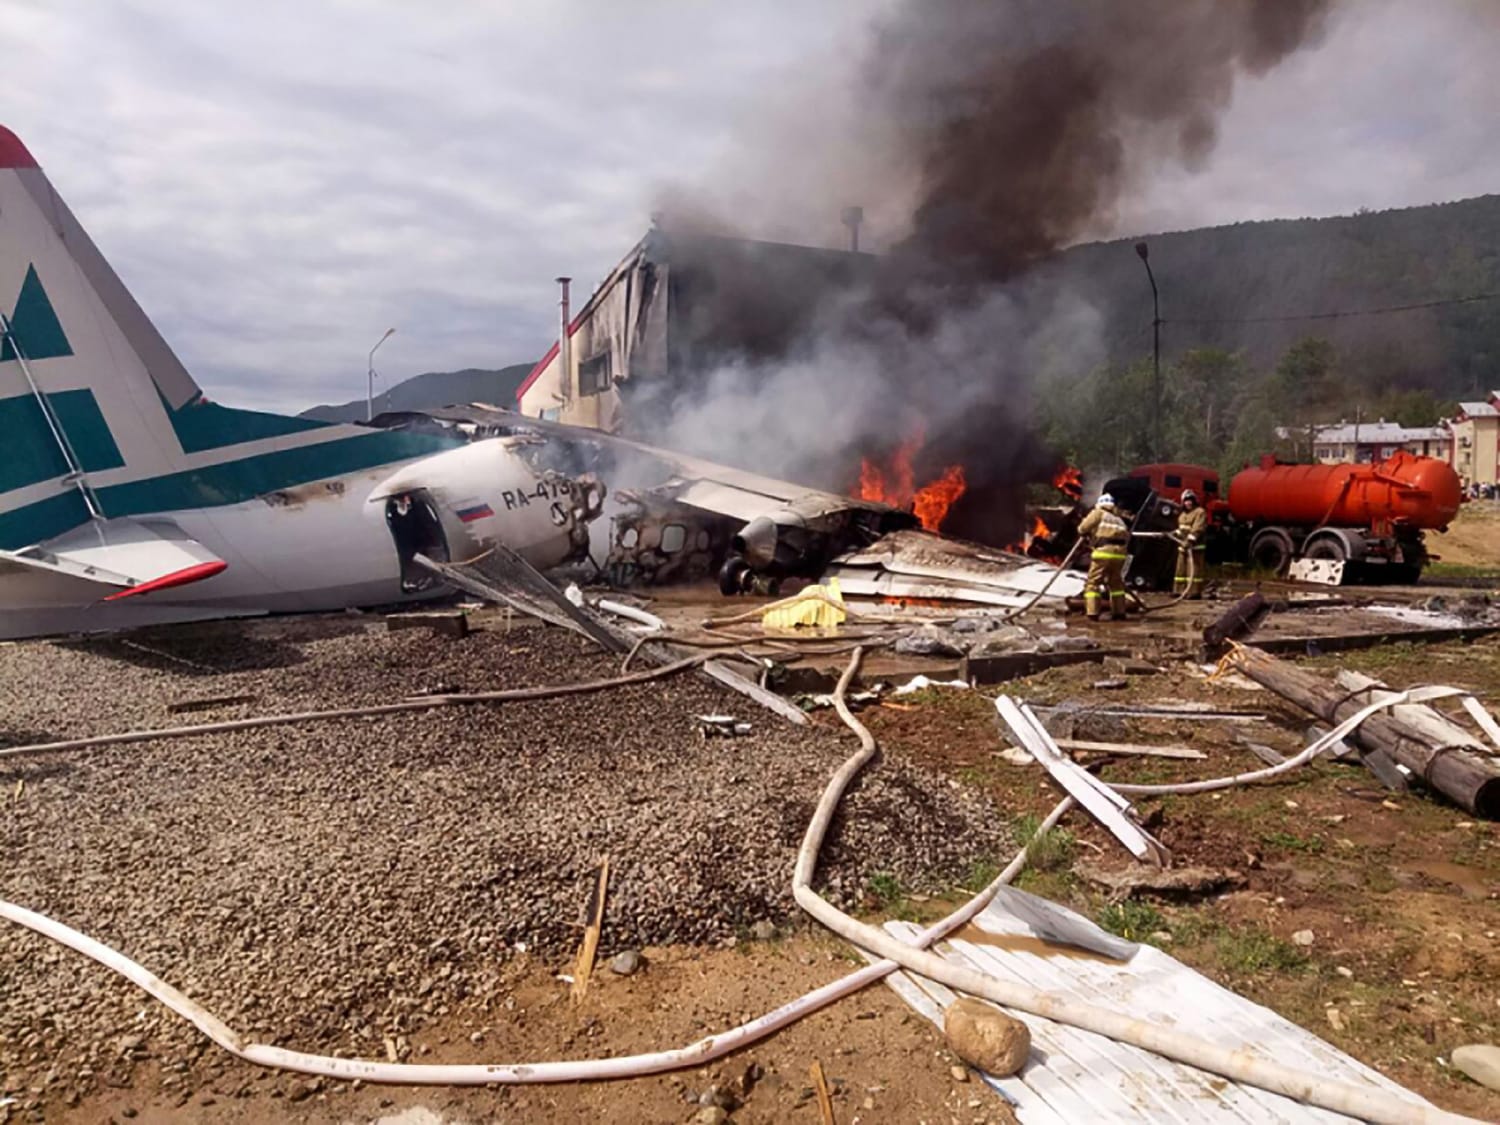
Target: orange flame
[(1070, 481), (931, 503), (895, 484)]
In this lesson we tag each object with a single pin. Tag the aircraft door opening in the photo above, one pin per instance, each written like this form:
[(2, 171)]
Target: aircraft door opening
[(417, 530)]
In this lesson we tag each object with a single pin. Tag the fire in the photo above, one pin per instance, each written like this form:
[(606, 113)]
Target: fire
[(895, 484), (1069, 481), (931, 503)]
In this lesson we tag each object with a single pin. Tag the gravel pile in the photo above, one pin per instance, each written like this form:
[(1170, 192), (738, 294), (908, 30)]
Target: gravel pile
[(329, 886)]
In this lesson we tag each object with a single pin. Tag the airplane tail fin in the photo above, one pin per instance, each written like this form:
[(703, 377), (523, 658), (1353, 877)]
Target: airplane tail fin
[(98, 418)]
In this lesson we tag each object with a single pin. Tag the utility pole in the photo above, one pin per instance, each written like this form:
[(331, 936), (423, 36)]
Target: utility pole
[(370, 375), (1156, 445)]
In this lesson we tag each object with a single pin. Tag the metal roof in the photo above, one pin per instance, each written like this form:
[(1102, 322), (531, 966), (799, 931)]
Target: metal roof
[(1075, 1075)]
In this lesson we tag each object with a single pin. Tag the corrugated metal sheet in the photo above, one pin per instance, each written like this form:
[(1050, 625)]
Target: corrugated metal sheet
[(1075, 1076)]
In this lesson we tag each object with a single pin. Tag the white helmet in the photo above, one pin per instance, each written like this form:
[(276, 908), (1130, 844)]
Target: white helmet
[(1105, 501)]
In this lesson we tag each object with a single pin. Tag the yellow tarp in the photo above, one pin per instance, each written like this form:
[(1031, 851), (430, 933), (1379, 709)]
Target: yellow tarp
[(817, 606)]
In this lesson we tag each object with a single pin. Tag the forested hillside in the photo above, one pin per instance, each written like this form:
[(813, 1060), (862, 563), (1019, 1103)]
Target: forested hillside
[(1246, 341)]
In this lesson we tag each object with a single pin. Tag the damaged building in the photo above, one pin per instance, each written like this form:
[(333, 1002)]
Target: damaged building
[(677, 305)]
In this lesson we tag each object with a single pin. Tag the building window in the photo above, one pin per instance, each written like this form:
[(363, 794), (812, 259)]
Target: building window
[(593, 374)]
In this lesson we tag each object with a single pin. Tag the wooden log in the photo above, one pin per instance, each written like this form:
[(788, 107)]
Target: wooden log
[(1459, 774), (1435, 727), (1239, 619)]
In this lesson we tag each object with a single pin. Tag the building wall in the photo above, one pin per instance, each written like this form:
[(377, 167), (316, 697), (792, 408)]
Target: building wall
[(1476, 449)]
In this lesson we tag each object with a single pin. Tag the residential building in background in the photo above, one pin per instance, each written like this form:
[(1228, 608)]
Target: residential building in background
[(1475, 452)]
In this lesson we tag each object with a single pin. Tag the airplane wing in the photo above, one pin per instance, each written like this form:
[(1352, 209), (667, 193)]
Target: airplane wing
[(698, 483), (122, 558)]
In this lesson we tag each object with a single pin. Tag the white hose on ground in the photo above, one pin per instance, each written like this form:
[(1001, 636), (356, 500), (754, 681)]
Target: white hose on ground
[(1241, 1065), (631, 613), (1062, 566), (1318, 746), (477, 1074), (509, 695)]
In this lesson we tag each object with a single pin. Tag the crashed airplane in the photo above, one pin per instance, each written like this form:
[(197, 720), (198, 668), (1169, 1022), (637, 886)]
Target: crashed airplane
[(128, 498)]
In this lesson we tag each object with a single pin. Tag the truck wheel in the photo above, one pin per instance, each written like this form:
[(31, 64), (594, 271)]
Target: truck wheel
[(1271, 549), (1326, 547)]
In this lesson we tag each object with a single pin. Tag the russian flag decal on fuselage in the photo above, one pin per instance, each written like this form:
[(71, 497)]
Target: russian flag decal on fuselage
[(471, 510)]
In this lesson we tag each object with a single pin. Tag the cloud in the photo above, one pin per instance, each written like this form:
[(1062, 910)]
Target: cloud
[(279, 183)]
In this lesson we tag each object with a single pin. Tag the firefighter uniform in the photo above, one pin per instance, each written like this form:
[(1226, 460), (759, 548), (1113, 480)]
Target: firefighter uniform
[(1192, 525), (1105, 526)]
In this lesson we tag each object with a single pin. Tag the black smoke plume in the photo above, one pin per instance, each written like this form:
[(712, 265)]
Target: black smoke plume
[(1028, 121)]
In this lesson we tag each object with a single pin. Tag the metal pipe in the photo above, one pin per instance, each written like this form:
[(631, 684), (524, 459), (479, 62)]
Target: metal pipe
[(59, 435)]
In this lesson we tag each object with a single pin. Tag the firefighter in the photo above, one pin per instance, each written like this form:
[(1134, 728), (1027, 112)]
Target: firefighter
[(1192, 525), (1109, 533)]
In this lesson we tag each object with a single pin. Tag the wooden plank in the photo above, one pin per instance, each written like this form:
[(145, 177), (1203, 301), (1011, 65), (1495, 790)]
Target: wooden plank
[(590, 947), (820, 1087), (1130, 749)]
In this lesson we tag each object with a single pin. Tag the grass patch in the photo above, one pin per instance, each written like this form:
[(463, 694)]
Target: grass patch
[(890, 896), (1313, 845), (1251, 950), (1050, 851), (1132, 920), (1460, 570), (982, 873)]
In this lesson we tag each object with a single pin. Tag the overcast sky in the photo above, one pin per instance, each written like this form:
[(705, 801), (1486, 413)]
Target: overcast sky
[(278, 183)]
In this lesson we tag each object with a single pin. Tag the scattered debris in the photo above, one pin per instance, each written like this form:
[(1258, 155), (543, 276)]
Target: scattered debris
[(820, 1087), (985, 1037), (721, 726), (1102, 802), (1130, 749), (930, 640), (1464, 775), (922, 683), (764, 930), (1304, 938), (1110, 685)]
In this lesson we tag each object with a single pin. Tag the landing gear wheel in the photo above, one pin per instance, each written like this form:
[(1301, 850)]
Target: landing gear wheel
[(734, 577)]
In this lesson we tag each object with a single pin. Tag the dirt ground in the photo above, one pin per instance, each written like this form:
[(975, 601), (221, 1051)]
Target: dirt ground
[(1473, 540), (1401, 895)]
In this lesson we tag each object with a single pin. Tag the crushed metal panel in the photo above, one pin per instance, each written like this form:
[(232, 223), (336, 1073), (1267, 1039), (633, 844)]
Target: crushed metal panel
[(1322, 572), (920, 554), (1074, 1075), (876, 584)]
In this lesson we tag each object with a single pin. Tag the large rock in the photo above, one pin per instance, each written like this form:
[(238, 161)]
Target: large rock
[(1481, 1062), (984, 1036), (929, 640)]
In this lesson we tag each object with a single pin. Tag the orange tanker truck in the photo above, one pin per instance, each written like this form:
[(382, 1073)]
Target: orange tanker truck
[(1369, 517)]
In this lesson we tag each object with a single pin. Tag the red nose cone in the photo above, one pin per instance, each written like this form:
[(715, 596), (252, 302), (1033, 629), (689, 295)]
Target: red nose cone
[(13, 154)]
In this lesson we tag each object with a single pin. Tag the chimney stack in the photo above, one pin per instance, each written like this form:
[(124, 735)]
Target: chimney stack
[(851, 218), (564, 344)]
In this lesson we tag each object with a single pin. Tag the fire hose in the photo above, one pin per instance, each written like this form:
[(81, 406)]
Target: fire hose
[(694, 1054)]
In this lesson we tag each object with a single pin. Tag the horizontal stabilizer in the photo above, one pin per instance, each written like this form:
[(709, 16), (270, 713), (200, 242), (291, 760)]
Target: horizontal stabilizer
[(132, 556)]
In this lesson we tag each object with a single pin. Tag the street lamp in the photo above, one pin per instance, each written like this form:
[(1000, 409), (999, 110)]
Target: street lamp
[(370, 374), (1145, 254)]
